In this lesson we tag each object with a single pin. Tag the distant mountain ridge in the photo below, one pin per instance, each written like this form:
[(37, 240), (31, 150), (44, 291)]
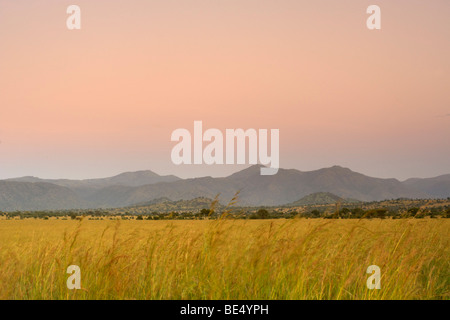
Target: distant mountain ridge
[(36, 196), (438, 186), (286, 187), (132, 179)]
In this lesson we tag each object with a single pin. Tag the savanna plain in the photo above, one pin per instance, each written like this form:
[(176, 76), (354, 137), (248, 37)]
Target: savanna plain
[(225, 259)]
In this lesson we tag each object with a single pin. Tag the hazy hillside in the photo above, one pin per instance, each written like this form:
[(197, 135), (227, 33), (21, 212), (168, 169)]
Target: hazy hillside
[(287, 186), (132, 179), (153, 202), (438, 187), (119, 196), (165, 205), (36, 196), (349, 184), (320, 198)]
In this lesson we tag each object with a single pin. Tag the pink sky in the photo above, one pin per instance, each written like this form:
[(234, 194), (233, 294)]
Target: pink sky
[(104, 99)]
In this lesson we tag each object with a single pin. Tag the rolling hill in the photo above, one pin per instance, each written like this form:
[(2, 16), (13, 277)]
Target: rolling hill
[(287, 186), (320, 198), (22, 196), (131, 179), (438, 187)]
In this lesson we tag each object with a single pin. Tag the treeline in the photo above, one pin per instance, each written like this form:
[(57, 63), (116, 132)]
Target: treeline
[(357, 213), (382, 213), (45, 215), (344, 213)]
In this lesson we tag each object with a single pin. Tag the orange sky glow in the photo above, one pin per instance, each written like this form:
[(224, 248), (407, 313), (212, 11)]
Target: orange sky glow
[(104, 99)]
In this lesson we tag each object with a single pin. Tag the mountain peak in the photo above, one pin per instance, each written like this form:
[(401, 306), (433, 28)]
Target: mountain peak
[(138, 178), (285, 187), (136, 174), (338, 167), (250, 171)]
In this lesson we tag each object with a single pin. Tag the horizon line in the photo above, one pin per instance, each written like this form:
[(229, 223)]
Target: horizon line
[(214, 176)]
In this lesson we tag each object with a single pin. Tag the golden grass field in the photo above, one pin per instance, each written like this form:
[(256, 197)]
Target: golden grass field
[(225, 259)]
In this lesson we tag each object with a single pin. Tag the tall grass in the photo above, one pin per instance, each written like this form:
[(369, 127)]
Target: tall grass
[(225, 259)]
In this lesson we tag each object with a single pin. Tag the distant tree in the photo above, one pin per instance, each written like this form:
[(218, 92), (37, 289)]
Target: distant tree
[(206, 212), (376, 213), (345, 213), (263, 214), (357, 213), (419, 215), (381, 213), (315, 213), (260, 214), (433, 213), (413, 211), (139, 218)]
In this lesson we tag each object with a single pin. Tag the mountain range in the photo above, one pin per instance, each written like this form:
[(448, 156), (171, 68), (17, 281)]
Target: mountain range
[(286, 187)]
